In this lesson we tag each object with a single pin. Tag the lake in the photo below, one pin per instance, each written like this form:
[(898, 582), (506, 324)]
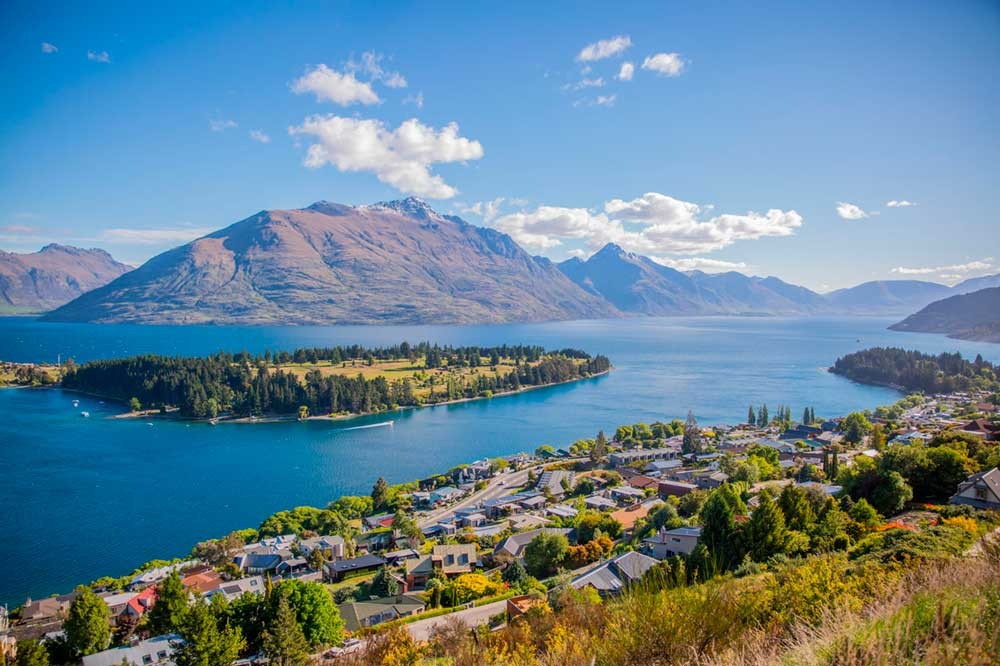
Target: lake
[(86, 497)]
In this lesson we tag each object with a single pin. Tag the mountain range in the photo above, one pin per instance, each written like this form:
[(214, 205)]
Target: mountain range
[(974, 316), (56, 274), (637, 284), (400, 262)]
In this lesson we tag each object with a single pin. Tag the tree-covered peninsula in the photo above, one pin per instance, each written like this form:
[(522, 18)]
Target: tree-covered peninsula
[(916, 371), (339, 380)]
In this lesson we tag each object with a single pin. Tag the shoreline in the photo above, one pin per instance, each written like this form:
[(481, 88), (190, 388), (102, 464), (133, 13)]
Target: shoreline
[(171, 414)]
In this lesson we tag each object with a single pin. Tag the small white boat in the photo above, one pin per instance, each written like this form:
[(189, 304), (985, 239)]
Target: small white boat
[(76, 403), (85, 415)]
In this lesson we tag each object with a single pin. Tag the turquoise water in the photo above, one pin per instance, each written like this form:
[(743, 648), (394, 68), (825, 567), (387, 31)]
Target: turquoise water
[(82, 498)]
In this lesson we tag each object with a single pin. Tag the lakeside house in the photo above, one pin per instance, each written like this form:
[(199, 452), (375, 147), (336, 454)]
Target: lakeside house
[(555, 482), (512, 548), (625, 458), (237, 588), (334, 545), (980, 490), (156, 651)]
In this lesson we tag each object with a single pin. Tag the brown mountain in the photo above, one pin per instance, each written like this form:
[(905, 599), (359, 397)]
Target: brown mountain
[(974, 316), (396, 262), (54, 275)]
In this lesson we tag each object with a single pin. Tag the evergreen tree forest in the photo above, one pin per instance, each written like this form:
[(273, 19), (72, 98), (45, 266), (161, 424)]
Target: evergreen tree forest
[(252, 385)]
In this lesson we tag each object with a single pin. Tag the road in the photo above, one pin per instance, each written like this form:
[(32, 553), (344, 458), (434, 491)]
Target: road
[(499, 485), (472, 617)]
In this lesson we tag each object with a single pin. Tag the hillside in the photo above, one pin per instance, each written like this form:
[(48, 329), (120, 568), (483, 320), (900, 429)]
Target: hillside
[(974, 316), (54, 275), (885, 297), (398, 262)]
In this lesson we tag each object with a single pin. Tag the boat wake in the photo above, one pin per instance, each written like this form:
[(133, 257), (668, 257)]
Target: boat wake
[(372, 425)]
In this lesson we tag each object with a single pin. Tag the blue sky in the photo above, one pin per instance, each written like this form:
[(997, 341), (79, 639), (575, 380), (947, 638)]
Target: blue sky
[(769, 138)]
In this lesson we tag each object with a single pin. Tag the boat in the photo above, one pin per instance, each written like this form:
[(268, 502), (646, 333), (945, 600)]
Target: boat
[(373, 425), (76, 403), (85, 415)]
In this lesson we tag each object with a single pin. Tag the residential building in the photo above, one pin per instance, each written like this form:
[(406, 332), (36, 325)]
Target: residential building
[(674, 488), (556, 482), (980, 490), (667, 543), (237, 588), (512, 548), (360, 614), (613, 576), (335, 571), (334, 545), (156, 651), (450, 560), (623, 458)]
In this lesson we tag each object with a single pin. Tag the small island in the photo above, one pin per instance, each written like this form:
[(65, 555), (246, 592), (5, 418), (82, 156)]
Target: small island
[(330, 382), (915, 371)]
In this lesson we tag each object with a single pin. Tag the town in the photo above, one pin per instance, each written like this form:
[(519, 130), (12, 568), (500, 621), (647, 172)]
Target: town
[(486, 544)]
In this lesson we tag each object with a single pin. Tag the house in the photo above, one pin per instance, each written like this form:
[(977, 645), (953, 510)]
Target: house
[(445, 494), (674, 488), (472, 520), (341, 569), (138, 605), (911, 437), (599, 503), (667, 543), (613, 576), (334, 545), (500, 506), (154, 576), (394, 558), (360, 614), (293, 567), (711, 480), (377, 521), (624, 458), (237, 588), (533, 503), (555, 482), (450, 560), (980, 490), (630, 515), (642, 481), (626, 495), (560, 511), (117, 603), (512, 548), (982, 428), (441, 529), (801, 432), (153, 651), (258, 563), (527, 522), (658, 467), (201, 581), (48, 608)]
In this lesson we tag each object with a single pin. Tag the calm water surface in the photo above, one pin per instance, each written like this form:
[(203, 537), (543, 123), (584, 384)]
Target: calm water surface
[(81, 498)]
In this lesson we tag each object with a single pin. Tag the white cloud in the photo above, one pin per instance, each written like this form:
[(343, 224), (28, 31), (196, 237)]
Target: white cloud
[(259, 136), (605, 100), (666, 64), (900, 204), (331, 86), (702, 264), (585, 83), (17, 229), (488, 210), (371, 66), (604, 48), (94, 56), (400, 157), (221, 125), (653, 224), (952, 271), (153, 236), (49, 48), (416, 100), (626, 71), (849, 211)]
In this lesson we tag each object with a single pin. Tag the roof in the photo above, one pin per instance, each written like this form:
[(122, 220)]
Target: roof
[(237, 588), (356, 612), (151, 651), (514, 544), (203, 581), (990, 477), (355, 564), (616, 573), (630, 515), (421, 565), (457, 558)]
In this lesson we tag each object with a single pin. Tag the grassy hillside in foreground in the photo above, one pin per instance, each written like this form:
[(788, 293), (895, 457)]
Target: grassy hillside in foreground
[(899, 596)]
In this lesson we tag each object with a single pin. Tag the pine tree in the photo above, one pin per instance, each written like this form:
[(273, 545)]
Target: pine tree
[(205, 643), (812, 415), (88, 628), (765, 533), (763, 417), (600, 447), (692, 436), (284, 642), (805, 417), (751, 417), (171, 605), (380, 493), (383, 584)]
